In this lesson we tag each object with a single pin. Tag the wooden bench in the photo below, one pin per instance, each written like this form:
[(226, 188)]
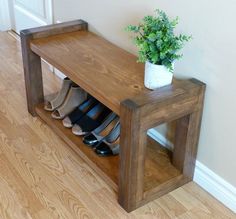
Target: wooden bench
[(144, 170)]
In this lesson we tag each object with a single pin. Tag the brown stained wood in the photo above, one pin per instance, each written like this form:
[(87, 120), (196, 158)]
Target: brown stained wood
[(187, 136), (55, 29), (132, 153), (113, 76), (170, 112), (153, 97), (192, 143), (32, 62), (180, 142), (158, 166), (168, 103), (178, 101), (93, 62), (144, 165), (33, 74)]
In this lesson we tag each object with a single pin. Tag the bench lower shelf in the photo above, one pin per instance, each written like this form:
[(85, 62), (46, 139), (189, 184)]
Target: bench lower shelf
[(158, 168)]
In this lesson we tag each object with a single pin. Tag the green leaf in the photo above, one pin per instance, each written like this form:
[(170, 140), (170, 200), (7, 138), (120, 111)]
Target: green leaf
[(156, 40), (154, 58), (152, 37), (132, 28), (152, 47)]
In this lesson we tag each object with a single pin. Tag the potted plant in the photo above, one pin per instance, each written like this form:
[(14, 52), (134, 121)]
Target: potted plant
[(158, 47)]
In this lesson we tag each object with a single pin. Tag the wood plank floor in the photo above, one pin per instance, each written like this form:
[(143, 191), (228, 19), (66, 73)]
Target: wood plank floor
[(42, 178)]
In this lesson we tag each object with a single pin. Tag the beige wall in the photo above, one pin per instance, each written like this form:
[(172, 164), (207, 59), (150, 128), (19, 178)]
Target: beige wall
[(210, 57)]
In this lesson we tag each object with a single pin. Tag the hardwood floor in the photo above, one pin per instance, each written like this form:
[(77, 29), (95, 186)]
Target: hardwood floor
[(42, 178)]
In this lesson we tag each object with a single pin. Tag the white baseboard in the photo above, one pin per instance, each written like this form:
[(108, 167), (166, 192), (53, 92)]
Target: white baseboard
[(215, 185), (204, 177)]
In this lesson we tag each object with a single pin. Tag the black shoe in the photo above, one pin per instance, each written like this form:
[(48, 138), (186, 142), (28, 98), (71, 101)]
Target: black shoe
[(91, 120), (90, 139), (110, 144), (105, 149), (79, 112), (101, 131)]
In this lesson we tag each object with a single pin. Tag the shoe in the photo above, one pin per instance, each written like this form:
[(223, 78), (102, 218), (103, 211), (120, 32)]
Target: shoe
[(105, 149), (110, 144), (56, 101), (91, 120), (101, 131), (74, 98), (79, 112)]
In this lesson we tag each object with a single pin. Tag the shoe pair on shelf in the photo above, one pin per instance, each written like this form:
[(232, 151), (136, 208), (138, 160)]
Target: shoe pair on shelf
[(105, 138), (86, 116), (100, 126), (66, 100)]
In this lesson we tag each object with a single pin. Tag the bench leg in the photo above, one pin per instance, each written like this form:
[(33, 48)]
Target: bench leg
[(186, 140), (133, 144), (33, 75)]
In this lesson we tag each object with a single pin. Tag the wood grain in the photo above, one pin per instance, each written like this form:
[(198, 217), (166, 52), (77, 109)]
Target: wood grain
[(42, 178), (91, 62)]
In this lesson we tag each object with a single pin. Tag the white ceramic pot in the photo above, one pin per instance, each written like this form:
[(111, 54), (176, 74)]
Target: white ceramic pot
[(156, 76)]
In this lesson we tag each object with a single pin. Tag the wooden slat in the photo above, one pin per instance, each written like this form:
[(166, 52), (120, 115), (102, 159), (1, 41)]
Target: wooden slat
[(55, 29)]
